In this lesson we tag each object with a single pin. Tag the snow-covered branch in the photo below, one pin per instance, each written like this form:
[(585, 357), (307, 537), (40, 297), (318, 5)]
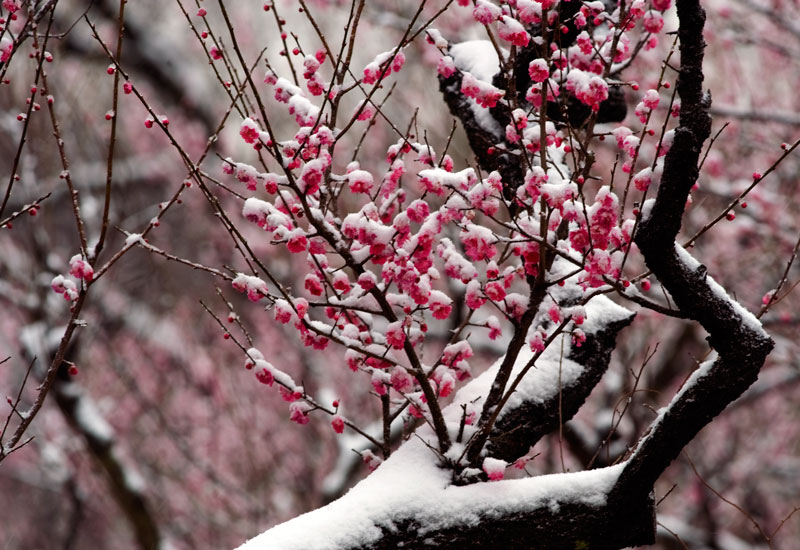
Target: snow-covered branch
[(411, 498)]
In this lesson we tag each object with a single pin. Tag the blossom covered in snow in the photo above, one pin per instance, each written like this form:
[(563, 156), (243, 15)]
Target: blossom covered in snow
[(80, 268), (254, 287), (486, 12), (440, 304), (406, 255), (65, 287), (494, 468), (482, 92), (249, 131), (590, 89)]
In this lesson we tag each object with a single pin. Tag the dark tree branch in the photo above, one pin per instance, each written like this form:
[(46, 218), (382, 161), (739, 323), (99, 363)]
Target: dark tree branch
[(564, 526), (520, 429), (73, 404), (79, 410), (737, 337)]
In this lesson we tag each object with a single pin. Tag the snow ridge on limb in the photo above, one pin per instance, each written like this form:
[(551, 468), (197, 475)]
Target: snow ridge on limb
[(408, 502), (740, 342)]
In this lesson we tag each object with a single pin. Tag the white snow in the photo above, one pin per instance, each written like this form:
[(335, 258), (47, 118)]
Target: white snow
[(699, 373), (54, 463), (134, 238), (602, 312), (350, 442), (542, 381), (133, 480), (256, 359), (479, 58), (89, 418), (686, 259), (748, 318), (410, 485), (647, 209)]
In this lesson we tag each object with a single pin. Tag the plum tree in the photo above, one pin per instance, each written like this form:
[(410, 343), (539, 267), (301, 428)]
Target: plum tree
[(406, 257)]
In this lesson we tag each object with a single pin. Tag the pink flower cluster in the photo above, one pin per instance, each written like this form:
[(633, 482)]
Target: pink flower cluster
[(383, 65), (590, 90), (486, 12), (512, 31), (494, 468), (311, 64), (380, 245), (255, 288), (65, 287), (482, 92), (80, 268)]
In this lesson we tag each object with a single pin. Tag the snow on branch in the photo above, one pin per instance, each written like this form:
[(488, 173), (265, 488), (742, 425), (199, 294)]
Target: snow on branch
[(411, 497), (523, 425)]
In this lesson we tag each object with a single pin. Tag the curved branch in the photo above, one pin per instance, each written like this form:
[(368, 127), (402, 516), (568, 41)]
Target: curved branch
[(734, 333)]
